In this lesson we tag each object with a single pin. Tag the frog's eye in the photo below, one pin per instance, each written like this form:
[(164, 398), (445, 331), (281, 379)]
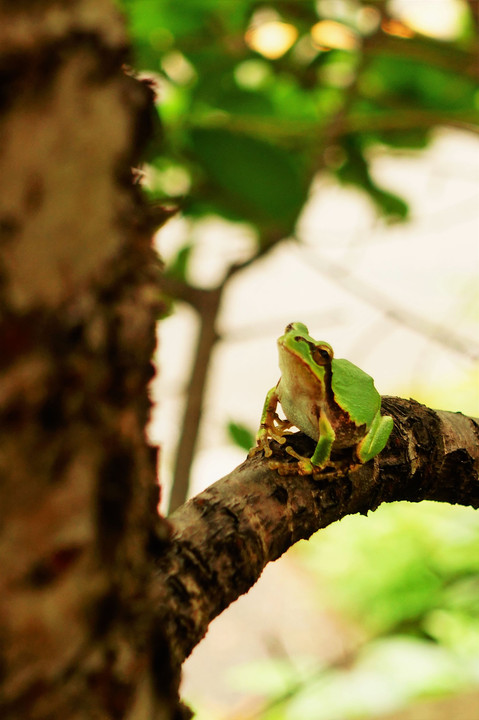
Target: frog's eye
[(322, 354)]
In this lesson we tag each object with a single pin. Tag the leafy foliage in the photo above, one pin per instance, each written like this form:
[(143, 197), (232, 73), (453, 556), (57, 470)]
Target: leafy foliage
[(256, 179), (425, 561), (240, 435), (251, 124), (408, 577)]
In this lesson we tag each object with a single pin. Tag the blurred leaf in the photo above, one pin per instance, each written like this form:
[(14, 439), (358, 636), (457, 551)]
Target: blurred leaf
[(256, 177), (391, 205), (148, 16), (244, 102), (412, 82), (218, 88), (355, 171), (411, 139), (268, 677), (422, 557), (386, 676), (241, 435), (291, 101), (454, 629), (179, 265)]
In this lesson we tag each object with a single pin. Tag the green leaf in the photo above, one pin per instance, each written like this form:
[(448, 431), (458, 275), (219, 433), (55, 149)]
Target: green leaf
[(244, 102), (258, 179), (240, 435), (412, 139), (148, 16), (391, 205), (178, 267), (414, 83), (355, 171)]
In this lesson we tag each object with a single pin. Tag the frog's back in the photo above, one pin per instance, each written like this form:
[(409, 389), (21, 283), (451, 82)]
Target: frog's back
[(354, 391)]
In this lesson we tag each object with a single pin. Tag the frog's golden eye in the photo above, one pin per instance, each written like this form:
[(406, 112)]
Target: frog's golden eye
[(322, 354)]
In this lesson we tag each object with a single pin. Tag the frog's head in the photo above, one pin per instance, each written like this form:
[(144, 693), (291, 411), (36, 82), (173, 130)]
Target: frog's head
[(297, 342)]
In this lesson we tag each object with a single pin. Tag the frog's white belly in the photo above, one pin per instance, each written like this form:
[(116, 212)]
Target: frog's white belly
[(301, 410)]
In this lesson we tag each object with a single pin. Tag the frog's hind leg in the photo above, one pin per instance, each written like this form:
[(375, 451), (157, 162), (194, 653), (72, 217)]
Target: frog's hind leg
[(322, 451), (376, 439), (327, 436)]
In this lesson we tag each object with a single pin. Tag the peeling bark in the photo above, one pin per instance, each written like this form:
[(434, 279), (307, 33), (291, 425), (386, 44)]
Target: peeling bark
[(223, 538)]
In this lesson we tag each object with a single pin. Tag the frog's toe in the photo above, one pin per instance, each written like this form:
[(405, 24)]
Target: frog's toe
[(305, 467)]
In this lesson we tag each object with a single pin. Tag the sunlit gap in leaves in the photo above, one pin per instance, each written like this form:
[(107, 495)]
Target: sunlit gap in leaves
[(329, 34), (444, 23), (269, 36)]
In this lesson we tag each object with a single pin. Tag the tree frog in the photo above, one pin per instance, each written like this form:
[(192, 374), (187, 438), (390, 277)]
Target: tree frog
[(331, 400)]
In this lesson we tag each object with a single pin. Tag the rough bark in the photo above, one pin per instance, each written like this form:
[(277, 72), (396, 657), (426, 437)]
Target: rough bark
[(78, 305), (223, 538)]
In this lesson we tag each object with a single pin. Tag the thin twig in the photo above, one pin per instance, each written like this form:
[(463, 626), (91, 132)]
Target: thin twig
[(195, 394), (383, 303)]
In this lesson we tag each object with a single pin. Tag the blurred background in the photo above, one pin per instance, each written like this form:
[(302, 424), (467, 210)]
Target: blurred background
[(323, 158)]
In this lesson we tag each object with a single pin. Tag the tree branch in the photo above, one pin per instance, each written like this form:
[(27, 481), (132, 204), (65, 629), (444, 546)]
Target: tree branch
[(342, 276), (433, 52), (224, 537), (195, 394)]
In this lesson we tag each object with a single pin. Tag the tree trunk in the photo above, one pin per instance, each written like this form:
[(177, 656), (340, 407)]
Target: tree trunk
[(78, 302)]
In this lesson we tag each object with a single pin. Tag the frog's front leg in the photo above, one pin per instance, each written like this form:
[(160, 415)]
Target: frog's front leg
[(271, 426), (376, 438)]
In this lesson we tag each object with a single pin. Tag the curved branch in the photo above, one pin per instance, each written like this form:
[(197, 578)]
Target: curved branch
[(446, 56), (224, 537)]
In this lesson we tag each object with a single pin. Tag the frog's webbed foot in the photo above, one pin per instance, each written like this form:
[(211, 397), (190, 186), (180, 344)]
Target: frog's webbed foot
[(304, 466), (291, 468), (273, 428)]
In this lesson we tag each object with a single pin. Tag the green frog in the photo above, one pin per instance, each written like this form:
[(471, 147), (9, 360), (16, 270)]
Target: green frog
[(331, 400)]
